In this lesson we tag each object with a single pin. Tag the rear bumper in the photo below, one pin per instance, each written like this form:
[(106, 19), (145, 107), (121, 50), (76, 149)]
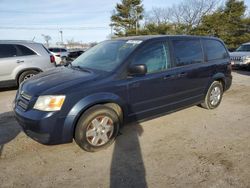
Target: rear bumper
[(44, 127)]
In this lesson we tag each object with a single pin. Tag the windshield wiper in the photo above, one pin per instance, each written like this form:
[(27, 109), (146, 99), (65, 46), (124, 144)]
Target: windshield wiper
[(79, 68)]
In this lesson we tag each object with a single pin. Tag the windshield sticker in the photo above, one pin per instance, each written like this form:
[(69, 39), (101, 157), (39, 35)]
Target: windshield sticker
[(134, 42)]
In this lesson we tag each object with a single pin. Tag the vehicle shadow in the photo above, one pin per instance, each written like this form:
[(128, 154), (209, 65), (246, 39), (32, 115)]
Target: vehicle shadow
[(9, 129), (2, 89), (241, 71), (127, 168)]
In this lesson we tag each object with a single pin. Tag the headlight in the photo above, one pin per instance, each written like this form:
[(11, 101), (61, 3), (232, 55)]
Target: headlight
[(49, 102), (246, 58)]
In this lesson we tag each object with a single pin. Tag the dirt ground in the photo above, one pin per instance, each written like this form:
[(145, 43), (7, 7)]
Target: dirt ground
[(189, 148)]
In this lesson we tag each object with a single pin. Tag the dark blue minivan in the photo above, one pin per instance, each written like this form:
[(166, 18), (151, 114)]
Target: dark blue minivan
[(119, 81)]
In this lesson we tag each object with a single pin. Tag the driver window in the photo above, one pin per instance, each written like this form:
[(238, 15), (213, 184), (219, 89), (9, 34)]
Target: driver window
[(154, 56)]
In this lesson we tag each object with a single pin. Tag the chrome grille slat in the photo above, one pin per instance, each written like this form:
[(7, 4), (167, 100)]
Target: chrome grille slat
[(23, 100), (236, 58)]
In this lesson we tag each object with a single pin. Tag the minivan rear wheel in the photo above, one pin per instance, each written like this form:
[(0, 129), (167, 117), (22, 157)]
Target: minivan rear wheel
[(97, 128), (213, 96), (26, 75)]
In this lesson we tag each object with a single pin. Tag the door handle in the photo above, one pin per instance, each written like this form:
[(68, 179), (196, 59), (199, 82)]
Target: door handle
[(170, 76), (20, 61), (182, 74)]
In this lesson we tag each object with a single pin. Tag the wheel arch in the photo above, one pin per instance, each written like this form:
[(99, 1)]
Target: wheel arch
[(24, 70), (217, 77), (220, 77), (108, 99)]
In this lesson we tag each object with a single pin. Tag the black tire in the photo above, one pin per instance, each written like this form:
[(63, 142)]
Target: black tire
[(85, 122), (26, 75), (248, 67), (63, 60), (208, 104)]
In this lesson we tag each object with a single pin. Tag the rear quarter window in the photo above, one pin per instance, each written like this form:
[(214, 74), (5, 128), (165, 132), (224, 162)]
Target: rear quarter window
[(187, 51), (214, 49), (24, 51)]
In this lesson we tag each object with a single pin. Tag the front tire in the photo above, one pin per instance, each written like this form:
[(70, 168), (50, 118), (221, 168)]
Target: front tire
[(213, 96), (97, 128)]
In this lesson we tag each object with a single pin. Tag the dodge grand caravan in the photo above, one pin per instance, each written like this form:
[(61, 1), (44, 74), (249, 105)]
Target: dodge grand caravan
[(119, 81)]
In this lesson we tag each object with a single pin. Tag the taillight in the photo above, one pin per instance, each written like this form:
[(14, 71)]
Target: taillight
[(52, 59)]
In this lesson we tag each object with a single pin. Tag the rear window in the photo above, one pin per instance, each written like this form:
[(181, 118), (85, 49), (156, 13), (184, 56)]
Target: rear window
[(57, 50), (24, 51), (187, 52), (214, 49), (7, 50)]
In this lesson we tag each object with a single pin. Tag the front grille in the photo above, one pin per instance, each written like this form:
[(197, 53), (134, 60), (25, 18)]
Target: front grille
[(23, 100), (236, 58)]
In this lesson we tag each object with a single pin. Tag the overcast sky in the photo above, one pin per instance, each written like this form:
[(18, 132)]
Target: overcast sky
[(48, 15)]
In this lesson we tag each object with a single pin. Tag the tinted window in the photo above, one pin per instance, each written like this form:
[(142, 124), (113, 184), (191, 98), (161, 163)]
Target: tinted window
[(244, 48), (214, 49), (57, 50), (24, 51), (7, 50), (187, 52), (154, 56)]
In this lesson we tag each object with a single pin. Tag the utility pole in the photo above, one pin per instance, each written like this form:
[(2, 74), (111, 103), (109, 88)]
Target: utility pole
[(61, 33)]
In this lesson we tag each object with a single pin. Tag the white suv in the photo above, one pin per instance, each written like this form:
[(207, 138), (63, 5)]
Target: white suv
[(61, 55), (20, 60)]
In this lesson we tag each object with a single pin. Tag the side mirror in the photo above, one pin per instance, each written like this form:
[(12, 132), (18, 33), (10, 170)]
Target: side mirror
[(137, 70)]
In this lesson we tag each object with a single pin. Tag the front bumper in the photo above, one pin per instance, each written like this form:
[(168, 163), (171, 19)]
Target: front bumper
[(240, 64), (44, 127)]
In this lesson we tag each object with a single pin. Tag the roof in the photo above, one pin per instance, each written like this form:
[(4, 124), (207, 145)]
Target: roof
[(149, 37), (16, 41)]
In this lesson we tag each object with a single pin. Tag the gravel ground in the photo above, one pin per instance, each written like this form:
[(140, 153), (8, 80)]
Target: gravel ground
[(189, 148)]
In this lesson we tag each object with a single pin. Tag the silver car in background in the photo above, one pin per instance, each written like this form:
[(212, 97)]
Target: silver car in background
[(20, 60), (241, 57)]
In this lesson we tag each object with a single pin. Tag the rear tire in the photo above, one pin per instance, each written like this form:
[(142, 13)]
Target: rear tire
[(92, 133), (26, 75), (213, 96)]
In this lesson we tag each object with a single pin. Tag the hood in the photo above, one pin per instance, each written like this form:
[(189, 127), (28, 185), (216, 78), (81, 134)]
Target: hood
[(56, 78), (239, 54)]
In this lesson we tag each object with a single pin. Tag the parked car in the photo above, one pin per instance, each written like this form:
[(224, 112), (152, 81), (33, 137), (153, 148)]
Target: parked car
[(20, 60), (241, 57), (119, 81), (61, 55), (73, 54)]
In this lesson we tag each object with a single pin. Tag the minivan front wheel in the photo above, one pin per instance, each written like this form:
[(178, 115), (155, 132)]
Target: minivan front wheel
[(97, 128), (213, 96)]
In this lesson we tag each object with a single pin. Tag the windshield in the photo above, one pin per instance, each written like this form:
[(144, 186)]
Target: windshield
[(106, 56), (243, 48)]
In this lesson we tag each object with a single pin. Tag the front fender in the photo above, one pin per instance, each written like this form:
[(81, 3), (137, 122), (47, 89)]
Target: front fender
[(83, 105)]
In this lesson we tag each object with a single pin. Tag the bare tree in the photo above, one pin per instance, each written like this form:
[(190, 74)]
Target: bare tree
[(158, 15), (188, 12), (47, 38)]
